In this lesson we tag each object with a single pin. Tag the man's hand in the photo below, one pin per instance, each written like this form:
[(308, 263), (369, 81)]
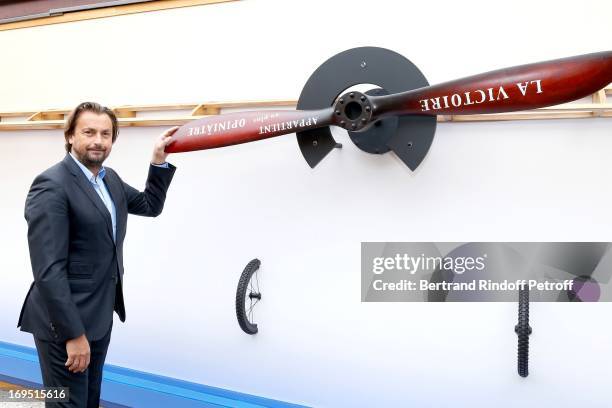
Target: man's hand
[(159, 155), (79, 354)]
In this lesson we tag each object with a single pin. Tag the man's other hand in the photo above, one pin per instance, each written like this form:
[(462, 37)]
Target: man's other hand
[(159, 155), (78, 354)]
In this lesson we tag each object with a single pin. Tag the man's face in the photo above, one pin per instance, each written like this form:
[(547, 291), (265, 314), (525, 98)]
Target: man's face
[(92, 140)]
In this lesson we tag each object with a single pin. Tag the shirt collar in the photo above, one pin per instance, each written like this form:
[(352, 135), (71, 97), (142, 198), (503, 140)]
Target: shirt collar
[(90, 176)]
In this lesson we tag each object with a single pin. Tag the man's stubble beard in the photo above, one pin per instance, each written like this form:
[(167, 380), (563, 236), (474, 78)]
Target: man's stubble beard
[(95, 162)]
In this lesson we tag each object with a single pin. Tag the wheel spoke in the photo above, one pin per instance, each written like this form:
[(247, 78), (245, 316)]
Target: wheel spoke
[(251, 309), (250, 312)]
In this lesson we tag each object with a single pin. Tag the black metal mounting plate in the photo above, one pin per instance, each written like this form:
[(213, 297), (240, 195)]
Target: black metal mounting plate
[(409, 137)]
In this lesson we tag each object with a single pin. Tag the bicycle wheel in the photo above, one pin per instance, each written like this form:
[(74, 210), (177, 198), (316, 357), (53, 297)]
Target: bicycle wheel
[(523, 330), (247, 296)]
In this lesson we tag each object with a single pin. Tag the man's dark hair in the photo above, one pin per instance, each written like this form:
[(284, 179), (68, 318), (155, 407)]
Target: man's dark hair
[(94, 107)]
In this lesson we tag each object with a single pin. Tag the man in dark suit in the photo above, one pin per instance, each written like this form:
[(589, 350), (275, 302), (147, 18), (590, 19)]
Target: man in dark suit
[(77, 215)]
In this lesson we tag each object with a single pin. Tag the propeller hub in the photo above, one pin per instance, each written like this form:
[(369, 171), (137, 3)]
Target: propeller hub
[(353, 111)]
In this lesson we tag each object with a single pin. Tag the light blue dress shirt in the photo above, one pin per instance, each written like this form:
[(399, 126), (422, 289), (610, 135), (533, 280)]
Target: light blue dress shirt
[(100, 187)]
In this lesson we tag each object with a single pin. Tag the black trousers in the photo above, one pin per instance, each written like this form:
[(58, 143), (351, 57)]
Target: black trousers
[(84, 388)]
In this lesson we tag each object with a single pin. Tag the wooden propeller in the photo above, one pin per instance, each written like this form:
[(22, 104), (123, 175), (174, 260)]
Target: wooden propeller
[(517, 88)]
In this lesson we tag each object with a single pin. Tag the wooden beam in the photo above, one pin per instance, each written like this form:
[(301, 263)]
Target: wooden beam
[(214, 108), (16, 114), (131, 111), (124, 113), (599, 96), (251, 104), (57, 114), (32, 125), (205, 109), (573, 107), (108, 12), (157, 107), (128, 114)]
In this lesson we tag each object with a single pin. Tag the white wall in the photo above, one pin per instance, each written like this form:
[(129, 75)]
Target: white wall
[(318, 345)]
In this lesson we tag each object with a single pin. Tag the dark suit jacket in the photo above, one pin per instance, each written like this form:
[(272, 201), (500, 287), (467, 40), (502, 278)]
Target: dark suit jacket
[(77, 267)]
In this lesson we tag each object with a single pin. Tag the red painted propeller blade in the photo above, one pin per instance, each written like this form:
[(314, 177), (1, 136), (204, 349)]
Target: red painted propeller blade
[(242, 127), (505, 90)]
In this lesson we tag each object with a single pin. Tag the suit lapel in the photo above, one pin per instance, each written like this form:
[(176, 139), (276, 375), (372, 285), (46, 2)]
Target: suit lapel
[(89, 191)]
